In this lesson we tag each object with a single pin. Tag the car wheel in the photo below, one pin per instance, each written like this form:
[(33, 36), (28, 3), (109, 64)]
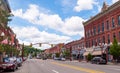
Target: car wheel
[(13, 69)]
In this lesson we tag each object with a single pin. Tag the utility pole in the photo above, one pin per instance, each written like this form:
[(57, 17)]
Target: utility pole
[(70, 53)]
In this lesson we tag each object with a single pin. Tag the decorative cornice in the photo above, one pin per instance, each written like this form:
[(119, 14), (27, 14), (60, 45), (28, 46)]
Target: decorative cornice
[(111, 8)]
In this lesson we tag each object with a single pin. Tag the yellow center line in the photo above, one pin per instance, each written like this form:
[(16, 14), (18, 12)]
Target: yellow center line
[(77, 68)]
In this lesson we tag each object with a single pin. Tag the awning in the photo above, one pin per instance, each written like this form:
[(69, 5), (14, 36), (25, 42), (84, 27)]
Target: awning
[(5, 41), (97, 52), (86, 53)]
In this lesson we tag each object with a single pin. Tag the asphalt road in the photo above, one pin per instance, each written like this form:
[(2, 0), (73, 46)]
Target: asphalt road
[(51, 66)]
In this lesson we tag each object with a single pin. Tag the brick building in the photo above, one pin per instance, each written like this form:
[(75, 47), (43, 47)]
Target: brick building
[(55, 49), (76, 48), (101, 29)]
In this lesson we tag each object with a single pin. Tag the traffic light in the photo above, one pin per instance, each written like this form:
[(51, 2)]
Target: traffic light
[(51, 45), (30, 44)]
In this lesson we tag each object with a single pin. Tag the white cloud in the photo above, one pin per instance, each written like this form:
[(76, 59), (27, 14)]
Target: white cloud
[(32, 34), (84, 5), (113, 1), (69, 26)]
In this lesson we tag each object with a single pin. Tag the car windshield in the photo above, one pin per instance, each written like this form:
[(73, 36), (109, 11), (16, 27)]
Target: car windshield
[(6, 60)]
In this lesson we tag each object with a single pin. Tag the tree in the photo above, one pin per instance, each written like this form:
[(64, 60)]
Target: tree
[(89, 57), (5, 16), (66, 53), (115, 49), (57, 54)]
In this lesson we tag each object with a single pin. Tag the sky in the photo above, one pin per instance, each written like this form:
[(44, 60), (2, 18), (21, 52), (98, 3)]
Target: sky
[(52, 21)]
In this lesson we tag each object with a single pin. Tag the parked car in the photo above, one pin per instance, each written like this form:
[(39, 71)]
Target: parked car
[(9, 64), (61, 59), (19, 61), (98, 60), (1, 69)]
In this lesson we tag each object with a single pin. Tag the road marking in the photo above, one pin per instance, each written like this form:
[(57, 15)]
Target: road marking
[(77, 68), (55, 71)]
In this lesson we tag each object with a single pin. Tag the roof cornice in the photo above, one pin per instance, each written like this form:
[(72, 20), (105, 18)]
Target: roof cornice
[(111, 8)]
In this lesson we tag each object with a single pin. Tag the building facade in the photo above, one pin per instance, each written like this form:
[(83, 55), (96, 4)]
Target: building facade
[(76, 48), (101, 29)]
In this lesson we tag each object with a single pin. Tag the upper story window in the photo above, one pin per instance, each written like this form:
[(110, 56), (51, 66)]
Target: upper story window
[(98, 28), (108, 39), (92, 43), (119, 20), (107, 23), (102, 27), (94, 29), (103, 39), (98, 39), (114, 36), (113, 22)]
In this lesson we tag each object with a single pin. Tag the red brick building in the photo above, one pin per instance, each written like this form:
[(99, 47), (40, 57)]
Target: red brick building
[(55, 49), (103, 27), (76, 47)]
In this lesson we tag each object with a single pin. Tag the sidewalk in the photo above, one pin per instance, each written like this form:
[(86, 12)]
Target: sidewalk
[(110, 63)]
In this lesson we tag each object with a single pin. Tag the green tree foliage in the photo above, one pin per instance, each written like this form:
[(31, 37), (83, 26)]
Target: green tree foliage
[(31, 50), (57, 54), (66, 53), (115, 49), (5, 16), (9, 50), (89, 57)]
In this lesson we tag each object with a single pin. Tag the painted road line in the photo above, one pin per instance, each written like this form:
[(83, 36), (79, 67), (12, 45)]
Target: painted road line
[(55, 71), (77, 68)]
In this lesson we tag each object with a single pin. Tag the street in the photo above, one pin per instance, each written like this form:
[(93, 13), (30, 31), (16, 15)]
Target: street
[(51, 66)]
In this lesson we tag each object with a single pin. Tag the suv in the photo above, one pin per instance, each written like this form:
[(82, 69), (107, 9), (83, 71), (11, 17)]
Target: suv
[(98, 60)]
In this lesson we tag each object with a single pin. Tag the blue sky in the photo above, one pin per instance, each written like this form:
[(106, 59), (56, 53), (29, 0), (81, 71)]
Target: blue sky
[(52, 21)]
